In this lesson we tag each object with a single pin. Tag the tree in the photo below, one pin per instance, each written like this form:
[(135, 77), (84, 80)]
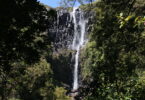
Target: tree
[(22, 37), (113, 54)]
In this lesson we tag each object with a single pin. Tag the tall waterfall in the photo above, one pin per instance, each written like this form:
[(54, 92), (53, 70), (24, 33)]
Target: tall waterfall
[(78, 40)]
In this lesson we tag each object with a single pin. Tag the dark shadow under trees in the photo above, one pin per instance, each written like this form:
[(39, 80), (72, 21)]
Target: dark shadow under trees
[(23, 36)]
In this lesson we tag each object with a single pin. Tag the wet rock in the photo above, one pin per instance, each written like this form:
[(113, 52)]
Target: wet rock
[(62, 29)]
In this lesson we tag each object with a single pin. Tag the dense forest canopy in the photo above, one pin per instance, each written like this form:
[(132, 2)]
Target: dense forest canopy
[(112, 63)]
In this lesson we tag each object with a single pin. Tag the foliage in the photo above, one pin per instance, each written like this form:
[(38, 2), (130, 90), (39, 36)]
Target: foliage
[(62, 62), (35, 83), (113, 54), (23, 41), (60, 94), (112, 63), (137, 21)]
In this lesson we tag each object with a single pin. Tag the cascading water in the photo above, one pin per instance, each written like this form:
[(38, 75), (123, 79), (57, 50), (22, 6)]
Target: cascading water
[(78, 40), (69, 32)]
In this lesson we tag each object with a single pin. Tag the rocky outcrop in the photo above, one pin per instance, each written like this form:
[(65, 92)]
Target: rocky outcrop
[(62, 29), (62, 33)]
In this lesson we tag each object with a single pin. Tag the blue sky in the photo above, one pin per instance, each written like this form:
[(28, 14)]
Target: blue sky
[(52, 3)]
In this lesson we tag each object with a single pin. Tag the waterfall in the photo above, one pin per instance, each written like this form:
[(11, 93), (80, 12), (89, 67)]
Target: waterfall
[(69, 32), (78, 40)]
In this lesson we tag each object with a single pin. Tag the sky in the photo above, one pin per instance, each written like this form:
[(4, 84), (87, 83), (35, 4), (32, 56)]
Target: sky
[(52, 3)]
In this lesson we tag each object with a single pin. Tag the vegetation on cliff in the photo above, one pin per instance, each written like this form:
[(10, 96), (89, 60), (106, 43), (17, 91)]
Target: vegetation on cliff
[(112, 62)]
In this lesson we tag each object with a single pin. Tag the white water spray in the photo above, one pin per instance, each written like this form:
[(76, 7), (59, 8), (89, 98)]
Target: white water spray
[(78, 40)]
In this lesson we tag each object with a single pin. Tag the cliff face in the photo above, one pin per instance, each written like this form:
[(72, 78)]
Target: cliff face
[(62, 34), (62, 30)]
